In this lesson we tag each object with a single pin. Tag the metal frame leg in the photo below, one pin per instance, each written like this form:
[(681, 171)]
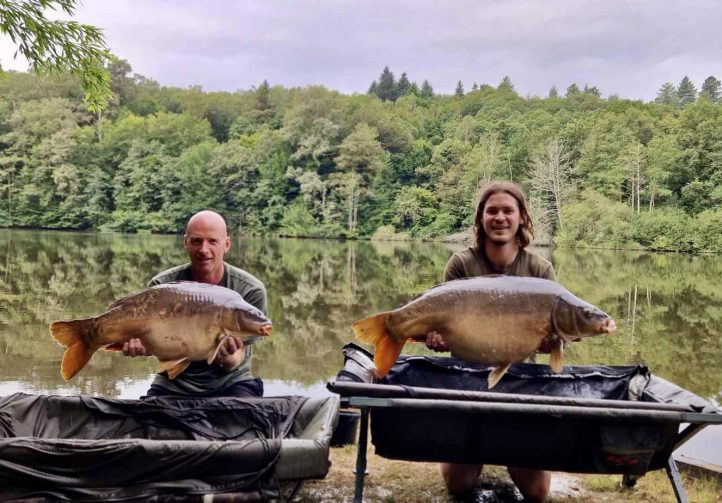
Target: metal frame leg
[(629, 481), (358, 495), (673, 475), (294, 491)]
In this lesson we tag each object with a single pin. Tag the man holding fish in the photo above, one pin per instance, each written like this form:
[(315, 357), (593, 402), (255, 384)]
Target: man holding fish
[(501, 232), (206, 240), (499, 304)]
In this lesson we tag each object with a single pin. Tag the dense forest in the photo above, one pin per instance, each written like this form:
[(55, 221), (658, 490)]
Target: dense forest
[(397, 162)]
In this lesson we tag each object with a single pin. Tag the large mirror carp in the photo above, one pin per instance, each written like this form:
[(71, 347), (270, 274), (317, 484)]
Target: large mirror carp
[(177, 322), (493, 320)]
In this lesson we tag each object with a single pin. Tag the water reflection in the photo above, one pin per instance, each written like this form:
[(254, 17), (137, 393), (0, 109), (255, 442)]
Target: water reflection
[(668, 307)]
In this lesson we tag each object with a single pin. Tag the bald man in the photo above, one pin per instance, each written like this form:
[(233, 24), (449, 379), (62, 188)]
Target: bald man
[(206, 241)]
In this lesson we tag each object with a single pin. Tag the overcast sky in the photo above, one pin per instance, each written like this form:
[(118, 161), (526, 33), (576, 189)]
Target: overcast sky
[(629, 48)]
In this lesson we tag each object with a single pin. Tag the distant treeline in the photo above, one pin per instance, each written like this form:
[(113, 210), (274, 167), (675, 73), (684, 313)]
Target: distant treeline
[(397, 162)]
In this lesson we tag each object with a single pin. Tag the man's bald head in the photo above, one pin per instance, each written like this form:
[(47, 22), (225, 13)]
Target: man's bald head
[(206, 219), (207, 241)]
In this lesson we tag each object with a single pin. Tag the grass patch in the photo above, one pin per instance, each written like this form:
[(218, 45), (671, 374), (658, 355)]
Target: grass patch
[(392, 481)]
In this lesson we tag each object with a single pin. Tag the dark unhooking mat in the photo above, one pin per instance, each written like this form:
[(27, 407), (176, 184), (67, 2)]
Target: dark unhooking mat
[(585, 419), (96, 448)]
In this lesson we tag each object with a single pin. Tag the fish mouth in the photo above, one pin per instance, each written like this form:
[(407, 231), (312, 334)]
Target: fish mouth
[(265, 330), (608, 326)]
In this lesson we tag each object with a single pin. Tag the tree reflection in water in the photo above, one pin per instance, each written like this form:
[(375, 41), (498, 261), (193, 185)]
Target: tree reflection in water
[(668, 307)]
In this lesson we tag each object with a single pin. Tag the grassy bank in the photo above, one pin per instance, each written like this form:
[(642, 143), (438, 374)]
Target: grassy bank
[(406, 482)]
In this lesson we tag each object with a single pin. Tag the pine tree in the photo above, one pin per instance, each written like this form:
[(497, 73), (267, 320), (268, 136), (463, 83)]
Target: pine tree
[(372, 87), (667, 95), (386, 87), (711, 89), (475, 87), (553, 92), (459, 90), (262, 95), (686, 92), (426, 90), (505, 84), (404, 86)]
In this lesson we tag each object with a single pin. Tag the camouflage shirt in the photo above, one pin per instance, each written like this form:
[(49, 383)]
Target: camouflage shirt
[(200, 378)]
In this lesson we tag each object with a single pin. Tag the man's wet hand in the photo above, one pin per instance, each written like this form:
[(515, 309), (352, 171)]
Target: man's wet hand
[(134, 347), (435, 342), (230, 354)]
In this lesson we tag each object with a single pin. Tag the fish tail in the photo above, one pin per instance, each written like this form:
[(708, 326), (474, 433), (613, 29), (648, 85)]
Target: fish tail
[(70, 335), (373, 330)]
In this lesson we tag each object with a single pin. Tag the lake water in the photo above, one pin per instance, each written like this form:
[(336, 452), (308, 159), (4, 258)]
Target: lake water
[(668, 307)]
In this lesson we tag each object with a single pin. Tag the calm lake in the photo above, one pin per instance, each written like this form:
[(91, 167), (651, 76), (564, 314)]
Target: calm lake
[(668, 307)]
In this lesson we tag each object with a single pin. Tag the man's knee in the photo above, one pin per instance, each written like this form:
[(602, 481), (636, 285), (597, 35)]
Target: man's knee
[(533, 484), (459, 478)]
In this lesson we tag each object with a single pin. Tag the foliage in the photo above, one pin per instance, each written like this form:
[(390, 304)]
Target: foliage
[(58, 46), (313, 162), (597, 222)]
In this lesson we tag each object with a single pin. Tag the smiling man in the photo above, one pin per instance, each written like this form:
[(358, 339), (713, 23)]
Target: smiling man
[(206, 240), (502, 230)]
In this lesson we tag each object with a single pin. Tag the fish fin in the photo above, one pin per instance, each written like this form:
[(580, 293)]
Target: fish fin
[(496, 375), (372, 330), (116, 346), (211, 358), (556, 356), (173, 367), (69, 334)]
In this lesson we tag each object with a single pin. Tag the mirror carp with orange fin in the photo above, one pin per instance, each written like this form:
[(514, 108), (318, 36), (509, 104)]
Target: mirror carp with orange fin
[(177, 323), (493, 320)]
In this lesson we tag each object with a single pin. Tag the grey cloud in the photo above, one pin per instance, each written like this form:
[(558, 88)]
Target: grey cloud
[(626, 47)]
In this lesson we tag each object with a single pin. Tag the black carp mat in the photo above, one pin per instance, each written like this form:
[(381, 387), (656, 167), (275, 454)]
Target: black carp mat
[(85, 447)]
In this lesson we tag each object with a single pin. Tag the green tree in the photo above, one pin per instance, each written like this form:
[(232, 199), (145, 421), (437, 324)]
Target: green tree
[(414, 209), (312, 124), (387, 89), (426, 90), (506, 85), (573, 90), (553, 92), (360, 156), (57, 46), (404, 86), (686, 92), (667, 95), (459, 92), (711, 89), (592, 91), (663, 156), (551, 178)]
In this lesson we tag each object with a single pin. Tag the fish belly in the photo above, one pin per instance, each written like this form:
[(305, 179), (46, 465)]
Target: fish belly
[(496, 340), (167, 338), (171, 339)]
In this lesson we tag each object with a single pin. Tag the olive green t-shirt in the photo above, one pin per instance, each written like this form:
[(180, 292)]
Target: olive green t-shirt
[(200, 378), (473, 262)]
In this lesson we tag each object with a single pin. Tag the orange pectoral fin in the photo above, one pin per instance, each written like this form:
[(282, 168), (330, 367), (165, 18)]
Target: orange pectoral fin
[(173, 367)]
